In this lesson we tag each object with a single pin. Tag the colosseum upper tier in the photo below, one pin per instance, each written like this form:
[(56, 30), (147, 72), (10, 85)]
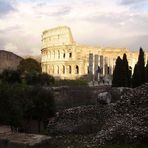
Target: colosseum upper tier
[(63, 58)]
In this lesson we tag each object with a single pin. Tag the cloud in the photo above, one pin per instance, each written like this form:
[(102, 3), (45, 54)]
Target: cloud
[(99, 23), (5, 7), (127, 2)]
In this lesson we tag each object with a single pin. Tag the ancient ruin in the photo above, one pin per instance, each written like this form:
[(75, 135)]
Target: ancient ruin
[(63, 58)]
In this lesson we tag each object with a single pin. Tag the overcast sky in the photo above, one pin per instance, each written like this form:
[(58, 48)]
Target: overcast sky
[(105, 23)]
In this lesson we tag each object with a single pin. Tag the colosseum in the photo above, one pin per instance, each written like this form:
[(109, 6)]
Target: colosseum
[(63, 58)]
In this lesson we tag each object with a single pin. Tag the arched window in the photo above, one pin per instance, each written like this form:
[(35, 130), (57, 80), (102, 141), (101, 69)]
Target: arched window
[(63, 69), (77, 69), (69, 69), (70, 55), (64, 55)]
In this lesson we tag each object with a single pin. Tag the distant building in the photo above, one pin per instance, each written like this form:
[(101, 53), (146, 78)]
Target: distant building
[(63, 58), (9, 60)]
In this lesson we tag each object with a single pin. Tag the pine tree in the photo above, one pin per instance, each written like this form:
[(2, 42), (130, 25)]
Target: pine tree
[(139, 70), (117, 73)]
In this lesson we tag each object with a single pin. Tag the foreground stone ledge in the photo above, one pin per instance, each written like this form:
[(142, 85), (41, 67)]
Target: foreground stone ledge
[(22, 140)]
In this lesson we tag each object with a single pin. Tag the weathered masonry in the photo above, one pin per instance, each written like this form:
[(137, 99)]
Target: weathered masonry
[(63, 58)]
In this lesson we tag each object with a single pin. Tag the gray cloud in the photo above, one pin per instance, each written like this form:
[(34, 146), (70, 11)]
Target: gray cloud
[(127, 2), (5, 7)]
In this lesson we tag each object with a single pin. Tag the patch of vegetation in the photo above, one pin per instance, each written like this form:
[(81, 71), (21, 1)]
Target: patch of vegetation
[(71, 83), (21, 102)]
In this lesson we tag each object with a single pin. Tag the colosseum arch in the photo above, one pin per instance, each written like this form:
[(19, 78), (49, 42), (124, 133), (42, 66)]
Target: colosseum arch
[(58, 54), (69, 69), (64, 70), (63, 54), (54, 54), (51, 69), (77, 69), (56, 69), (49, 54)]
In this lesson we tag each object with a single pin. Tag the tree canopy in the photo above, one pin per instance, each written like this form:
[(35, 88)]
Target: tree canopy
[(122, 73), (29, 65), (19, 102), (10, 76)]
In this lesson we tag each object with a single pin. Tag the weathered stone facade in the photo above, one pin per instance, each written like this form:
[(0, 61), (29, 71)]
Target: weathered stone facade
[(9, 60), (63, 58)]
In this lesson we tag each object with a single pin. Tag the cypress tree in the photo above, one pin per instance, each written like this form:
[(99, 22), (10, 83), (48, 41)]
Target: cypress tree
[(126, 73), (146, 72), (139, 70), (116, 82)]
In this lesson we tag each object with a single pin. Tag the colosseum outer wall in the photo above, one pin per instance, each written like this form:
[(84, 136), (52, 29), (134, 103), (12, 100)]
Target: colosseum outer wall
[(63, 58)]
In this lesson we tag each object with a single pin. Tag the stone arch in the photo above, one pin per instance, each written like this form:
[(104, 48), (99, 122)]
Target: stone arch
[(56, 69), (58, 54), (77, 69), (69, 69), (49, 54), (54, 54), (70, 54), (52, 69), (63, 54), (64, 70)]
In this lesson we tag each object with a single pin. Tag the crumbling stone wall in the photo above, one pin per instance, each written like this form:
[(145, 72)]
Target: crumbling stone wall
[(73, 96)]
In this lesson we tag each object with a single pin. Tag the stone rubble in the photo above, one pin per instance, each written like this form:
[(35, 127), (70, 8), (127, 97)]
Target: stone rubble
[(129, 121), (123, 121)]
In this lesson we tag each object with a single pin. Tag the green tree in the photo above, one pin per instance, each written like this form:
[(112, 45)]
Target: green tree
[(10, 76), (32, 78), (43, 104), (11, 112), (139, 70), (46, 79), (29, 65), (42, 79), (116, 82)]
